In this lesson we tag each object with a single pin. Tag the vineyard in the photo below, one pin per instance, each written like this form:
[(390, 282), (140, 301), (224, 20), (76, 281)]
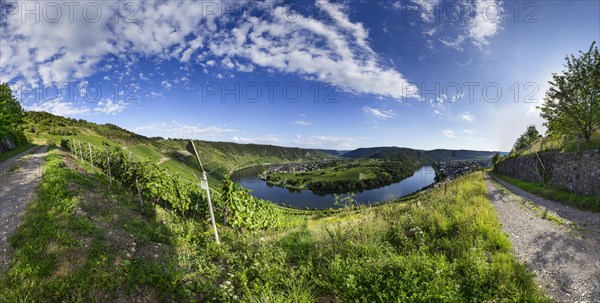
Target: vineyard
[(235, 206), (85, 241)]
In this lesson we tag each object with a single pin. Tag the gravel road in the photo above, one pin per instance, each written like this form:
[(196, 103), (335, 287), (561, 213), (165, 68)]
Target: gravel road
[(19, 176), (565, 258)]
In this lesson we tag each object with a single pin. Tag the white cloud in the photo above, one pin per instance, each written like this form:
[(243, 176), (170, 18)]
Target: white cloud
[(166, 84), (468, 131), (329, 142), (455, 44), (336, 53), (430, 32), (59, 108), (449, 133), (382, 114), (332, 49), (486, 23), (268, 139), (302, 123), (427, 8), (443, 107), (476, 20), (176, 129), (467, 116), (109, 107)]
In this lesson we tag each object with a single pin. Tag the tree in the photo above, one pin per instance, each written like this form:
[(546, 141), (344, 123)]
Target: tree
[(572, 104), (11, 116), (496, 160), (527, 138)]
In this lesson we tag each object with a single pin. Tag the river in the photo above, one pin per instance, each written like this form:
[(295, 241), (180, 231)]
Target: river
[(248, 178)]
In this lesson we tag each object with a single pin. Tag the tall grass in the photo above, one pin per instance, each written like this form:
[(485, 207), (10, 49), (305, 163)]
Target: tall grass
[(434, 248)]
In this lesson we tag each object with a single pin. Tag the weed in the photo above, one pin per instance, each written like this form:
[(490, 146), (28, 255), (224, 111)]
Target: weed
[(84, 242), (590, 203)]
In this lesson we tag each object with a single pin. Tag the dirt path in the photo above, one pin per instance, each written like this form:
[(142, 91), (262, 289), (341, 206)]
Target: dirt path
[(566, 259), (19, 177)]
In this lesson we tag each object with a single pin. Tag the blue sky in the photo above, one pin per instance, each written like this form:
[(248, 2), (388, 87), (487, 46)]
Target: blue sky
[(422, 74)]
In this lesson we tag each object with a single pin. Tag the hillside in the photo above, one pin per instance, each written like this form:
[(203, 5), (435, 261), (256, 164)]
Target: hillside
[(425, 157), (219, 158), (86, 240)]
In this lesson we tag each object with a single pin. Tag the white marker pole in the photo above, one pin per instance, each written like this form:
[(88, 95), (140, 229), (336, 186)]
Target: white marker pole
[(204, 184)]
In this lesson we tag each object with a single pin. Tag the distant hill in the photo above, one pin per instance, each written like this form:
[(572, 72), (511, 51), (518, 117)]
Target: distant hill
[(426, 157), (334, 152), (219, 158)]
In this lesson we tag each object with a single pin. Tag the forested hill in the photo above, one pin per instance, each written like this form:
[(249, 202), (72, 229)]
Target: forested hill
[(422, 156)]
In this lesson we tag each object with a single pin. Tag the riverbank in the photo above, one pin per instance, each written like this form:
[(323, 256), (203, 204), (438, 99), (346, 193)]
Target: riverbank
[(339, 176), (307, 199)]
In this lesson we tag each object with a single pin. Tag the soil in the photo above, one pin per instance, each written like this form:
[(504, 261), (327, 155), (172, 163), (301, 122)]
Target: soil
[(19, 177), (564, 254)]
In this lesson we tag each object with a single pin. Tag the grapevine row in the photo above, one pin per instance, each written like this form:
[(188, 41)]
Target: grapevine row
[(235, 207)]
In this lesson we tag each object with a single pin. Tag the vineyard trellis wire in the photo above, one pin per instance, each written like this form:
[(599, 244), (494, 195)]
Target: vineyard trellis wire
[(238, 208)]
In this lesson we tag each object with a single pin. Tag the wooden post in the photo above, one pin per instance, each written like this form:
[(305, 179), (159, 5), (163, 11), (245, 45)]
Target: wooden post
[(91, 157), (74, 149), (80, 152), (137, 185), (108, 162), (204, 184)]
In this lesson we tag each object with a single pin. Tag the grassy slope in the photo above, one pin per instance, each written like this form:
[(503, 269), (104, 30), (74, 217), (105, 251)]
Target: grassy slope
[(559, 144), (223, 157), (591, 203), (82, 242)]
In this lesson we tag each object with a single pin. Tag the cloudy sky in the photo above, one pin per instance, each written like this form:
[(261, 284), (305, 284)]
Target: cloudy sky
[(323, 74)]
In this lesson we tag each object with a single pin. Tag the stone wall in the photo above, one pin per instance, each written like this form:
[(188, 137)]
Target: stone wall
[(574, 172), (6, 145)]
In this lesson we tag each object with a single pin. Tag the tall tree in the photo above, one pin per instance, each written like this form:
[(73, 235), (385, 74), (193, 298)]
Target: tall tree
[(572, 104), (527, 138), (11, 116)]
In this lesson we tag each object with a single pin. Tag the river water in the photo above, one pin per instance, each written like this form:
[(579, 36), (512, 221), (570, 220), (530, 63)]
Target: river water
[(248, 178)]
